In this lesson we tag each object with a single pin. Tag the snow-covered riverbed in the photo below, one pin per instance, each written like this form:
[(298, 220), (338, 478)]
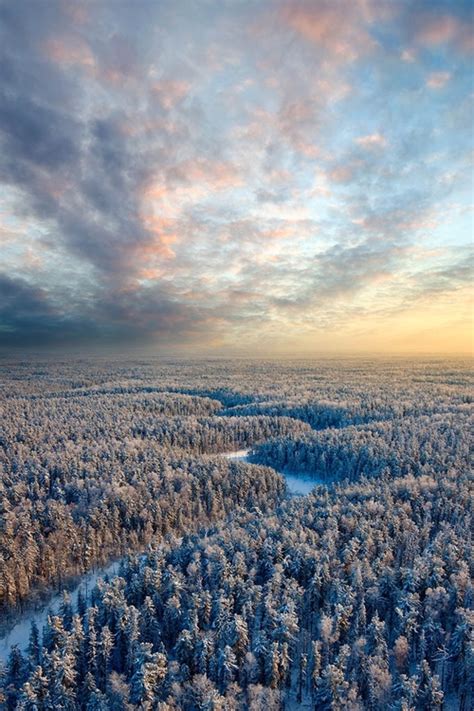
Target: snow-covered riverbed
[(298, 484), (238, 454), (20, 631)]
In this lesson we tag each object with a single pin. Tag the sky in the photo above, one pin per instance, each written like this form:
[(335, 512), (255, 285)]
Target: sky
[(236, 176)]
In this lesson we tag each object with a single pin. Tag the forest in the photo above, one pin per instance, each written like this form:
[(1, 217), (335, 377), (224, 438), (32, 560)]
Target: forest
[(232, 593)]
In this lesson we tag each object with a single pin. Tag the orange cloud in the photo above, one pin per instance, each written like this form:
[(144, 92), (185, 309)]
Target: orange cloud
[(278, 233), (157, 247), (161, 238), (154, 191), (380, 277), (160, 235), (150, 273)]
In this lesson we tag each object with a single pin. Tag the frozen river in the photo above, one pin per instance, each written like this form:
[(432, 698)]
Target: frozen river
[(19, 633), (298, 484)]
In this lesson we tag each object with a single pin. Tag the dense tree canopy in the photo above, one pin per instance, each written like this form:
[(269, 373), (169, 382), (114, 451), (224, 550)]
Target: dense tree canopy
[(357, 596)]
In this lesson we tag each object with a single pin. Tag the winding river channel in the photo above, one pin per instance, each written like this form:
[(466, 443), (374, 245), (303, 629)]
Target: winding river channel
[(19, 633), (297, 484)]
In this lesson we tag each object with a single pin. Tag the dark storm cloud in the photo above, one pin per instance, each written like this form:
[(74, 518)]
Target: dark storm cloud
[(30, 316)]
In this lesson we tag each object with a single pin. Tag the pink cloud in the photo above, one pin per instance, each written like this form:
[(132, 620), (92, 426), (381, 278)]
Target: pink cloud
[(437, 30), (74, 11), (330, 90), (436, 80), (216, 175), (279, 176), (120, 61), (341, 174), (70, 51), (163, 201), (162, 235), (295, 121), (339, 28), (157, 247), (169, 92), (150, 273), (408, 55), (373, 140), (434, 30), (117, 65), (32, 259), (278, 233)]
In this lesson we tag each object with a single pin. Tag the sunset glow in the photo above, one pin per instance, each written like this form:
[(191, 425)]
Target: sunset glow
[(241, 177)]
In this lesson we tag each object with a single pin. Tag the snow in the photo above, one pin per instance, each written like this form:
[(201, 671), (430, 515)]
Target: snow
[(298, 484), (20, 631), (238, 454)]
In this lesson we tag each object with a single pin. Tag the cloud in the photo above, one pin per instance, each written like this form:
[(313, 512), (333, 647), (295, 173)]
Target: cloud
[(343, 173), (178, 173), (343, 270), (338, 28), (170, 92), (445, 278), (408, 55), (30, 316), (27, 316), (437, 80), (433, 29), (373, 140), (72, 52), (215, 174)]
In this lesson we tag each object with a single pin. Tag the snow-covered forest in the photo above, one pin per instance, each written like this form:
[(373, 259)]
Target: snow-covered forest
[(230, 593)]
